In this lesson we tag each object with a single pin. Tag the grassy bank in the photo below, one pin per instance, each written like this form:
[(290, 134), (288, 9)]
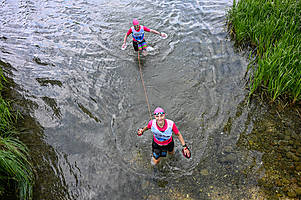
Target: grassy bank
[(272, 28), (16, 174)]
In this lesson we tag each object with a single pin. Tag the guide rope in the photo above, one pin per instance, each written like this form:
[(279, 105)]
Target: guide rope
[(141, 76)]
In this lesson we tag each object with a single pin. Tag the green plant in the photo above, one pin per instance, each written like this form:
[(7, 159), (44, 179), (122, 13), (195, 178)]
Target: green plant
[(272, 29), (14, 166), (15, 169)]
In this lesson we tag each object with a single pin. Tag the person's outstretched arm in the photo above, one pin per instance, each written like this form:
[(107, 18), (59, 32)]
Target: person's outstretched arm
[(141, 130), (157, 32)]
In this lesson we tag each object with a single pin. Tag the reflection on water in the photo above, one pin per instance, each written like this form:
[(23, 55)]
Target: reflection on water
[(87, 101)]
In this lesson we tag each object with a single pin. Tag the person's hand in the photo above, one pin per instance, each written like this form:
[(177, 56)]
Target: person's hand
[(140, 132), (163, 35), (123, 46), (186, 152)]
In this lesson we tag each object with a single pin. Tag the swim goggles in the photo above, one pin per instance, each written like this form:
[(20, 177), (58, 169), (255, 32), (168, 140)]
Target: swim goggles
[(159, 113)]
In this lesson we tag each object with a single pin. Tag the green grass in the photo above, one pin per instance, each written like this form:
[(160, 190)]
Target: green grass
[(15, 169), (273, 29)]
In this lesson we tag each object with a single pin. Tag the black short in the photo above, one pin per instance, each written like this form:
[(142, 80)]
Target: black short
[(161, 151), (135, 44)]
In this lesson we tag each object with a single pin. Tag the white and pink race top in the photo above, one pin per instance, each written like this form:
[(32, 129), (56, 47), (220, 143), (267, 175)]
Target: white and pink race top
[(163, 136), (138, 36)]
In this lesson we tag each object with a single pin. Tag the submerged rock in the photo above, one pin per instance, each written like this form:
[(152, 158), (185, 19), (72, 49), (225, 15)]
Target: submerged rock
[(291, 194), (298, 191), (228, 158), (204, 172)]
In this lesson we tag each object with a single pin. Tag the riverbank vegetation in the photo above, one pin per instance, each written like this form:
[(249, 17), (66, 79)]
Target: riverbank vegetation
[(16, 175), (272, 28)]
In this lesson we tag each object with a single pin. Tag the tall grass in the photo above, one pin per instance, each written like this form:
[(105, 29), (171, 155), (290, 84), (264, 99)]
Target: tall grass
[(15, 169), (273, 29)]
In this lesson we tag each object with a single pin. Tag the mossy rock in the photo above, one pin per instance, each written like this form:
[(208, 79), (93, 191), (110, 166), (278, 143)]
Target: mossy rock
[(298, 167), (298, 191), (291, 194)]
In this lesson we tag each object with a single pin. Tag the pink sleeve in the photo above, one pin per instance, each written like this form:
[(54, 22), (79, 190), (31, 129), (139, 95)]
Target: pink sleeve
[(146, 29), (175, 129), (129, 32), (149, 125)]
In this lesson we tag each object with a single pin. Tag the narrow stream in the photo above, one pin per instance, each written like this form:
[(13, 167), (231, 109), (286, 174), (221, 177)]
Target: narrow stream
[(86, 100)]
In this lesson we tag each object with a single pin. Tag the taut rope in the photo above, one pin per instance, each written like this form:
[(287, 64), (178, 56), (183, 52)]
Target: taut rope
[(146, 98)]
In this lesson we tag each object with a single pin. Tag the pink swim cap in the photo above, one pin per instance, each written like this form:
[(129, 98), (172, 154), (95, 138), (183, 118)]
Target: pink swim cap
[(135, 22), (158, 109)]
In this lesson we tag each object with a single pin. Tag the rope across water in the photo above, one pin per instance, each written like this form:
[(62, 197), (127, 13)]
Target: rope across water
[(141, 76)]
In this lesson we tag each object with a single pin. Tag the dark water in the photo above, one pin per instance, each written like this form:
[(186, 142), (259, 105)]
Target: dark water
[(86, 99)]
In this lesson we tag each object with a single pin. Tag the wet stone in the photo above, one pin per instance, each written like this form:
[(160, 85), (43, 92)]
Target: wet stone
[(285, 189), (295, 136), (228, 158), (285, 181), (228, 149), (294, 180), (295, 158), (291, 194), (204, 172), (271, 130), (286, 148), (275, 143), (287, 137), (278, 183), (283, 142), (145, 184), (298, 191), (287, 132), (292, 156), (298, 167)]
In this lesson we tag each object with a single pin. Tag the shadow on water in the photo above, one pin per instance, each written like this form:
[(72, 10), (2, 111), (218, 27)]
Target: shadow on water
[(49, 182)]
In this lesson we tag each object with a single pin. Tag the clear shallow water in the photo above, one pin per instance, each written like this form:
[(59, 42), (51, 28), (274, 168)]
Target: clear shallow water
[(86, 98)]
